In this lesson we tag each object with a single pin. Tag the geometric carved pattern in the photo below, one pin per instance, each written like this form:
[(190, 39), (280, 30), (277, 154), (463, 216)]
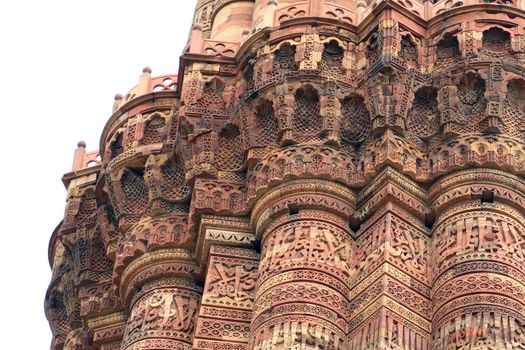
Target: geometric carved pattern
[(267, 124), (228, 297), (355, 120), (134, 190), (301, 244), (423, 119), (284, 59), (154, 130), (332, 59), (230, 155), (166, 312), (318, 177), (173, 185), (472, 103), (307, 123)]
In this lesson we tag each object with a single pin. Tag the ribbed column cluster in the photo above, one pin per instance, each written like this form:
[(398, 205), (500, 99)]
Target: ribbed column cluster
[(163, 315), (478, 256), (322, 175), (306, 257)]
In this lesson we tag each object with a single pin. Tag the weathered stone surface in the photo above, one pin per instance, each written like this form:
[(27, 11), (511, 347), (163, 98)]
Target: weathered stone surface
[(324, 175)]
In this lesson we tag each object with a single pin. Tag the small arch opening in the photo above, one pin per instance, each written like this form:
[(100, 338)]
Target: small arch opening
[(307, 122), (154, 130), (230, 131), (332, 58), (230, 156), (116, 147), (408, 49), (516, 93), (496, 40), (471, 94), (447, 48), (306, 95), (267, 123), (355, 119), (372, 49), (284, 58), (423, 118)]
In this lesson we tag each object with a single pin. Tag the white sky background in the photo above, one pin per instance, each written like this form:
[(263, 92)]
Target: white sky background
[(62, 62)]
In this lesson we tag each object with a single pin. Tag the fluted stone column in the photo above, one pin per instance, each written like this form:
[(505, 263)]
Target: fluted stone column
[(163, 315), (306, 252), (162, 300), (478, 283)]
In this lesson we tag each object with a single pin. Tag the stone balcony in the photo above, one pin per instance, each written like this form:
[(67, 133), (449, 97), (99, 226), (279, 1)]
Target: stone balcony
[(141, 119), (83, 159), (147, 84)]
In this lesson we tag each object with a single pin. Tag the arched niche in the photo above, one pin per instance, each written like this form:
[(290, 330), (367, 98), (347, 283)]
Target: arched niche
[(471, 96), (355, 119), (423, 118), (213, 94), (408, 50), (266, 123), (516, 93), (154, 130), (307, 122), (332, 58), (447, 49), (496, 40), (231, 151), (284, 58)]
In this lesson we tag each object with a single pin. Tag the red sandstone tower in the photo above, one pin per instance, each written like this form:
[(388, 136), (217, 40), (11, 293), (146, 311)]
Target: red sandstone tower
[(320, 175)]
